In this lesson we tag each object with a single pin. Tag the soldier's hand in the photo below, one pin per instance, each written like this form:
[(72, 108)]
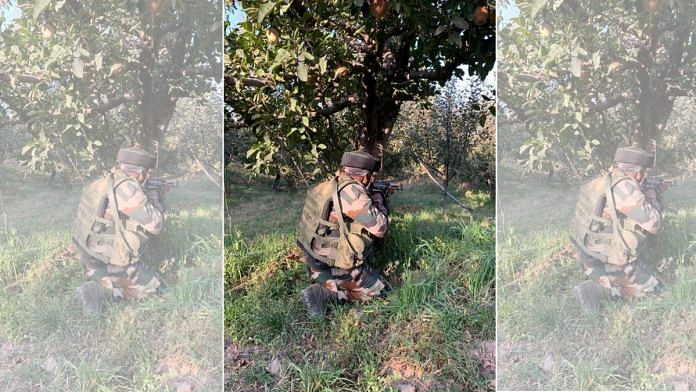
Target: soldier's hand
[(154, 197), (380, 202), (651, 194)]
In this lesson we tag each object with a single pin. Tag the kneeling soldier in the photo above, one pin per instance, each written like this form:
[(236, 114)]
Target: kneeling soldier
[(612, 222), (115, 219), (339, 223)]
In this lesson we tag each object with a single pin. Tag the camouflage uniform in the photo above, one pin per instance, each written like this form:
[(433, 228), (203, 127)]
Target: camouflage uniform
[(634, 279), (135, 280), (361, 282)]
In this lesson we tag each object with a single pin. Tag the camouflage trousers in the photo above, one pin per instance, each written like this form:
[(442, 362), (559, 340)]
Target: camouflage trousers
[(131, 282), (633, 280), (356, 284)]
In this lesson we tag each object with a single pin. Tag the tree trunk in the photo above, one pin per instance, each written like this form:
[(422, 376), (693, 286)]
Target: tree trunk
[(379, 117), (158, 104), (379, 112)]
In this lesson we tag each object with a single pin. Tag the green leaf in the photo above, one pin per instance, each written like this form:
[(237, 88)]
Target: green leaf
[(440, 29), (98, 61), (459, 22), (537, 5), (305, 121), (264, 10), (281, 57), (576, 67), (322, 64), (455, 39), (596, 60), (39, 5), (578, 117), (302, 71), (78, 68)]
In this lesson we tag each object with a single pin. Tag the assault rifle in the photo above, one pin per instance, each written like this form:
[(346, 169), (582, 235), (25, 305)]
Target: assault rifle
[(384, 188), (657, 184), (159, 184)]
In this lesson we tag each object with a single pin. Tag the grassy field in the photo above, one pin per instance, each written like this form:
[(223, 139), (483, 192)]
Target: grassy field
[(433, 331), (544, 340), (169, 342)]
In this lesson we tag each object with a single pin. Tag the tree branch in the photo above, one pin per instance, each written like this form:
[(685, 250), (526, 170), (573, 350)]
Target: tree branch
[(611, 102), (444, 73), (337, 106), (24, 78), (113, 102), (213, 72), (251, 82)]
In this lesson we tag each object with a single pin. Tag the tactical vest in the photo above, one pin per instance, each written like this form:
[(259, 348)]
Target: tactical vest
[(596, 235), (352, 240), (111, 240)]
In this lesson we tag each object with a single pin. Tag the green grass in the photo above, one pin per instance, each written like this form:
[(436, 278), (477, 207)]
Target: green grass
[(45, 340), (644, 344), (438, 263)]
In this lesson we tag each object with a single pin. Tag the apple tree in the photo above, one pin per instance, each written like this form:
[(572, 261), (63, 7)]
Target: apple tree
[(586, 76), (310, 78), (85, 78)]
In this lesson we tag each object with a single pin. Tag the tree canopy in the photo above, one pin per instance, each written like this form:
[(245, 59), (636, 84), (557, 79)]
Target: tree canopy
[(586, 77), (86, 77), (310, 78)]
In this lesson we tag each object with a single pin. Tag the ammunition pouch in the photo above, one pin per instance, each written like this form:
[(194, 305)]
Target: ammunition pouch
[(354, 248)]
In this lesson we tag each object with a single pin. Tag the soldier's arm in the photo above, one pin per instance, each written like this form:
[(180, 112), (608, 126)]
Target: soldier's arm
[(134, 203), (358, 205), (632, 202)]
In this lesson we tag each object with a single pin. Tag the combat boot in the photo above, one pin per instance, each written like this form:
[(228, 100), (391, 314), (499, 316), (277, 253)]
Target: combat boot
[(316, 299), (92, 296), (590, 295)]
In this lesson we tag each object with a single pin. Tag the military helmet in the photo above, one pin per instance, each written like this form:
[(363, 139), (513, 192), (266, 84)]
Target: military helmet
[(633, 155), (135, 156), (359, 159)]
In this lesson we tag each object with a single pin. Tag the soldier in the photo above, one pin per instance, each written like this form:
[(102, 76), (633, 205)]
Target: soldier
[(115, 219), (613, 219), (339, 223)]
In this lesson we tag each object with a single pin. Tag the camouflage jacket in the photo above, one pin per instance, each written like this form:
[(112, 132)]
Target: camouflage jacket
[(134, 203), (632, 203)]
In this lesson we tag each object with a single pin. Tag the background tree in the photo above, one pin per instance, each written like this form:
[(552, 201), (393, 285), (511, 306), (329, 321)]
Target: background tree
[(585, 77), (85, 78), (314, 77), (451, 138)]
